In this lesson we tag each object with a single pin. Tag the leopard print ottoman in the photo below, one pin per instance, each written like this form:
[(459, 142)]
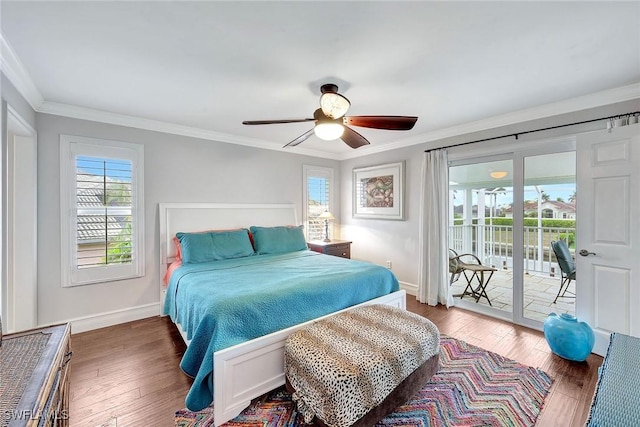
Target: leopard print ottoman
[(342, 367)]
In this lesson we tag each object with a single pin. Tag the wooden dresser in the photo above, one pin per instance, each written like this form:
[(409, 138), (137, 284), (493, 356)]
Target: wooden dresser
[(35, 373), (341, 248)]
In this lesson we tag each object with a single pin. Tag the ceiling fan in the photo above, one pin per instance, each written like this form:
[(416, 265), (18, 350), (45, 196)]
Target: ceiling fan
[(331, 122)]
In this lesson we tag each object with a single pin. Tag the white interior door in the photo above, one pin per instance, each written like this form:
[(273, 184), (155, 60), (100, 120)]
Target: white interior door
[(608, 232)]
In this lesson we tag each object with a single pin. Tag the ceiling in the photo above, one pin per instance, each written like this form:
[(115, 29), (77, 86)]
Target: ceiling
[(201, 68)]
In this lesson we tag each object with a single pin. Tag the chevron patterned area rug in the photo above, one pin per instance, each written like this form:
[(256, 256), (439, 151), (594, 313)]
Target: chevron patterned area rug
[(473, 387)]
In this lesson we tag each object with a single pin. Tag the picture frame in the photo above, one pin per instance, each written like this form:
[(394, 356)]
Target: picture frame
[(378, 191)]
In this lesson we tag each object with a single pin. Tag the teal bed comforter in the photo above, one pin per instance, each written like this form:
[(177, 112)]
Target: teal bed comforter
[(223, 303)]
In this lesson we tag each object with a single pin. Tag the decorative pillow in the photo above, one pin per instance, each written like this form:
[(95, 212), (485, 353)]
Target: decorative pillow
[(176, 242), (214, 245), (172, 267), (276, 240), (178, 245)]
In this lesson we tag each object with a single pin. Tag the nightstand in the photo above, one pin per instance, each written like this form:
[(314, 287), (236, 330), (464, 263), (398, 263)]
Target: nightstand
[(341, 248)]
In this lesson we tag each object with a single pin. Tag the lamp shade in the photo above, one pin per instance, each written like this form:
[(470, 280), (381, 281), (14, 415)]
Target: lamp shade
[(334, 105), (328, 131), (326, 215)]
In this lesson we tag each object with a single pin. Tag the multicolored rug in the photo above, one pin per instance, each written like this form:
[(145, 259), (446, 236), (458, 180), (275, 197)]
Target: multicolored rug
[(474, 387)]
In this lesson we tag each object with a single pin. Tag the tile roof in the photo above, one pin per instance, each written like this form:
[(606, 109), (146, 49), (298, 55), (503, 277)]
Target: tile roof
[(90, 194), (91, 228)]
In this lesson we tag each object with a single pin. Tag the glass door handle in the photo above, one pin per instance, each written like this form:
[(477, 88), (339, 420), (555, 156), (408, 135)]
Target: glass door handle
[(585, 252)]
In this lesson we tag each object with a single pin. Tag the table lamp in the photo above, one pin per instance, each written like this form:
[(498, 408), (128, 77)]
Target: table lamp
[(326, 216)]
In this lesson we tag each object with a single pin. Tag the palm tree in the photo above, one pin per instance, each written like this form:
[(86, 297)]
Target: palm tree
[(119, 251), (118, 194)]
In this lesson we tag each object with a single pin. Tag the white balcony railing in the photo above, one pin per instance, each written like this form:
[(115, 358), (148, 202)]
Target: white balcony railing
[(493, 244)]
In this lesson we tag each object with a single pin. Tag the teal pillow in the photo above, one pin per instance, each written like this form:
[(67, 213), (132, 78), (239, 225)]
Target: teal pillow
[(276, 240), (214, 245)]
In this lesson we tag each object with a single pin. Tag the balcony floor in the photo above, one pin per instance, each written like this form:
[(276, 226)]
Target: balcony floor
[(539, 292)]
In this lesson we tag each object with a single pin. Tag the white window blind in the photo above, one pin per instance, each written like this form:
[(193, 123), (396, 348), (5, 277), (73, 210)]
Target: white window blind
[(102, 210), (317, 198), (104, 199)]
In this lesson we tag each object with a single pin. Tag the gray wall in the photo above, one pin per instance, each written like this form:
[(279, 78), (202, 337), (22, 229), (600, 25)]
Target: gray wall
[(398, 241), (177, 169), (182, 169)]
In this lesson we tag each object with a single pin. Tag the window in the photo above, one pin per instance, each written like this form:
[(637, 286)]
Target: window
[(318, 197), (101, 202)]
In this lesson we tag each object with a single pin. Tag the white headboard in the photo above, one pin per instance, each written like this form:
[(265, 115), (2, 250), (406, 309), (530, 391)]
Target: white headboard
[(188, 217)]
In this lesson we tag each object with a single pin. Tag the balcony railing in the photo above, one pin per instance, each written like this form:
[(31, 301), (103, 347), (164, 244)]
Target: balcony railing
[(493, 244)]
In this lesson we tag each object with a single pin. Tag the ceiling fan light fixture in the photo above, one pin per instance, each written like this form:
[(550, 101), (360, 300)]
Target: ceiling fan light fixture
[(328, 131), (334, 105), (498, 174), (331, 122)]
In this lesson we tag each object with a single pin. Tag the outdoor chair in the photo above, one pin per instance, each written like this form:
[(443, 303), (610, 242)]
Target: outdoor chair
[(567, 267), (456, 265), (474, 266)]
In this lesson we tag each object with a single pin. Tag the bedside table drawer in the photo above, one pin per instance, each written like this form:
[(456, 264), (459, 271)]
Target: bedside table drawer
[(342, 250)]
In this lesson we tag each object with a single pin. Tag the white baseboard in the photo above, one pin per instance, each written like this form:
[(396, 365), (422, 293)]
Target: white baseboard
[(110, 318), (410, 288), (601, 344)]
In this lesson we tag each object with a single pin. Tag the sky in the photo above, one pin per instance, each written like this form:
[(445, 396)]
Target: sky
[(116, 169)]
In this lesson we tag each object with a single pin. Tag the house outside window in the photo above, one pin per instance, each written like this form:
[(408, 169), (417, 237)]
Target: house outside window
[(101, 209), (318, 196)]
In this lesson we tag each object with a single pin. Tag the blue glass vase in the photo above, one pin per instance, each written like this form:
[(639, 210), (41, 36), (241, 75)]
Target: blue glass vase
[(568, 338)]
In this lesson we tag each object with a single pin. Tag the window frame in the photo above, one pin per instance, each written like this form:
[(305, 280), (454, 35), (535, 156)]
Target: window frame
[(70, 148), (309, 171)]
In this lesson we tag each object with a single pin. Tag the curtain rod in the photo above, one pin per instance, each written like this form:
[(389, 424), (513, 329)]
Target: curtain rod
[(534, 130)]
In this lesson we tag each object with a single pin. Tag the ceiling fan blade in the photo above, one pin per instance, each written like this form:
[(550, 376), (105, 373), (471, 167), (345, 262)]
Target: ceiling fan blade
[(274, 122), (353, 139), (300, 139), (382, 122)]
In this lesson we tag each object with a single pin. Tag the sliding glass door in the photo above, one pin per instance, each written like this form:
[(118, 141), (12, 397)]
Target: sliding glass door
[(481, 233), (549, 212), (504, 213)]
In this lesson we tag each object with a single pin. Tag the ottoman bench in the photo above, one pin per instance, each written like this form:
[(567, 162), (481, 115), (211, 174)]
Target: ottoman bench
[(356, 367)]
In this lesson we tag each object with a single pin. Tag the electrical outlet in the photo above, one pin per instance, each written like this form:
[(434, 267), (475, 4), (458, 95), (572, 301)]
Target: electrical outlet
[(389, 264)]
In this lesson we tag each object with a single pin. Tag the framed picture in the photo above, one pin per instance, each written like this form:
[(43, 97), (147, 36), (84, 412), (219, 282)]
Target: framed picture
[(378, 192)]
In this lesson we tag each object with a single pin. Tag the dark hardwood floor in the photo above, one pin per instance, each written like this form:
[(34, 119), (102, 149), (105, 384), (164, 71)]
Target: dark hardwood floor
[(128, 375)]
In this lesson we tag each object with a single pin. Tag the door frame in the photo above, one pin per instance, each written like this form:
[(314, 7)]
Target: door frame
[(18, 305)]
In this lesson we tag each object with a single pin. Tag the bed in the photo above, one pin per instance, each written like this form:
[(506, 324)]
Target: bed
[(235, 342)]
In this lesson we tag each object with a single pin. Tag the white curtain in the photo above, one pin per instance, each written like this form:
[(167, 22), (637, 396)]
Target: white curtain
[(433, 287)]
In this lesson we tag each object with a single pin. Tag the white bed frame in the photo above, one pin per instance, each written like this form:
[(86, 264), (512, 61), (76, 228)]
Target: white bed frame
[(248, 370)]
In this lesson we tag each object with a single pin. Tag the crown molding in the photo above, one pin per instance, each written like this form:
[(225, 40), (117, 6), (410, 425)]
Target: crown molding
[(16, 72), (82, 113), (597, 99)]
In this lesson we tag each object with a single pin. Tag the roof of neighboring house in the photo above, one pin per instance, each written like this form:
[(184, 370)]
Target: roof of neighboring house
[(557, 205), (89, 198), (90, 228)]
